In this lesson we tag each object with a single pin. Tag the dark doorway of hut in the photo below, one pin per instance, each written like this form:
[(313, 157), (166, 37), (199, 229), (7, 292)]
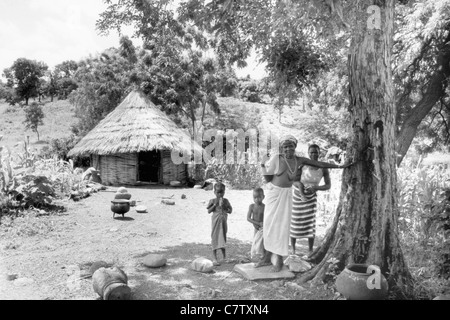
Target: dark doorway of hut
[(149, 165)]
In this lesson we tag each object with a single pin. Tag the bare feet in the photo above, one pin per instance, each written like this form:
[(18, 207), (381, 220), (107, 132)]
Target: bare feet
[(276, 268), (278, 265), (262, 263)]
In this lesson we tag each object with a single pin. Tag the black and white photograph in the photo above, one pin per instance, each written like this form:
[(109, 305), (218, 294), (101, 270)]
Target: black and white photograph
[(234, 156)]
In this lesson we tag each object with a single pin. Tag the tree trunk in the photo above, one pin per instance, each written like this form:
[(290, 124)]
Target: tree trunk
[(365, 227), (435, 91)]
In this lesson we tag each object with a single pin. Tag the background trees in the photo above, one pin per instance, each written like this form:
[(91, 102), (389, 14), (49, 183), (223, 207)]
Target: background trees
[(171, 67), (63, 75), (24, 77)]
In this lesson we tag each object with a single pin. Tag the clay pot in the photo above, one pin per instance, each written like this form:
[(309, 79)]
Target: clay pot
[(111, 284), (120, 206), (362, 282)]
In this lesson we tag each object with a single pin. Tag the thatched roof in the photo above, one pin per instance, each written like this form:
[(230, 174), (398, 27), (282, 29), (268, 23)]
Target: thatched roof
[(135, 125)]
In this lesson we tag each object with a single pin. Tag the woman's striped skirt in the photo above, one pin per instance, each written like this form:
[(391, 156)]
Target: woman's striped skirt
[(303, 219)]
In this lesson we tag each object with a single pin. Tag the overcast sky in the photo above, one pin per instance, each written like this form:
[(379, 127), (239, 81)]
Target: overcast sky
[(53, 31)]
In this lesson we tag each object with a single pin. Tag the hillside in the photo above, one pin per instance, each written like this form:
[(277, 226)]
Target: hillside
[(58, 118)]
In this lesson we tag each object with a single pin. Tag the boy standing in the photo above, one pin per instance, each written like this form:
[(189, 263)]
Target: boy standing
[(255, 216), (220, 207)]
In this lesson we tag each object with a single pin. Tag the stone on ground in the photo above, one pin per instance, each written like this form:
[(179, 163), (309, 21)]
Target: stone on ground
[(154, 260), (297, 264), (202, 265)]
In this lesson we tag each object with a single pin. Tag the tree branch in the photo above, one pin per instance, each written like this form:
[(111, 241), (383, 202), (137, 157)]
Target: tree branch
[(444, 121), (434, 92)]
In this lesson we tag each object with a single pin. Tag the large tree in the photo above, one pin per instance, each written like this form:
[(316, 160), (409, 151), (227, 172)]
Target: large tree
[(102, 82), (365, 226), (24, 76)]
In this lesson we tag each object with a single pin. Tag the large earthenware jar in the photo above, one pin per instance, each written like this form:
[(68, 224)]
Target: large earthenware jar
[(362, 282), (111, 284)]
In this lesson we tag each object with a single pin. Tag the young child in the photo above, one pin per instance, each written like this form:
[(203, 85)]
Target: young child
[(220, 207), (255, 216)]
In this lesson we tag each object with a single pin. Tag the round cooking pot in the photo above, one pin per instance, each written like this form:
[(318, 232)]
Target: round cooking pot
[(120, 206)]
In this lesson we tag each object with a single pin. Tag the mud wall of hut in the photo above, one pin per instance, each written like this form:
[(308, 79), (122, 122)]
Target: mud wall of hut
[(116, 169), (171, 171), (122, 169)]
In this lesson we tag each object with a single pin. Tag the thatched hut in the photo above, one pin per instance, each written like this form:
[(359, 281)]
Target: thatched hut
[(133, 145)]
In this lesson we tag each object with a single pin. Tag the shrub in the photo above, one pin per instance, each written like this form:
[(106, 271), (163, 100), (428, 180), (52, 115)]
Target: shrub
[(28, 182), (250, 91), (60, 147), (243, 174), (423, 204), (33, 117)]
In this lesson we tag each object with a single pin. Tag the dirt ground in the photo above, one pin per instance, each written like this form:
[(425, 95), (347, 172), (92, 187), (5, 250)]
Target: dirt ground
[(50, 254)]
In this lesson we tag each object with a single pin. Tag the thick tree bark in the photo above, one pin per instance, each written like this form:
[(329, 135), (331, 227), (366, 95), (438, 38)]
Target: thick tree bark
[(435, 91), (365, 226)]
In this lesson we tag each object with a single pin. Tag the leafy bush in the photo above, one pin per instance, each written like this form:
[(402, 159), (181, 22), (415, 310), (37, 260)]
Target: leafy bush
[(250, 91), (28, 182), (440, 222), (423, 202), (11, 97), (240, 175), (33, 117), (60, 147)]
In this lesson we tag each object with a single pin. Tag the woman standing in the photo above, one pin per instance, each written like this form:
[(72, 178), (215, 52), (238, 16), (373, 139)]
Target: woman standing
[(280, 172), (304, 207)]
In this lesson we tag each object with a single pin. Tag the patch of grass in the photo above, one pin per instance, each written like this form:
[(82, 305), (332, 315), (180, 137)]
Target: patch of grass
[(28, 224)]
